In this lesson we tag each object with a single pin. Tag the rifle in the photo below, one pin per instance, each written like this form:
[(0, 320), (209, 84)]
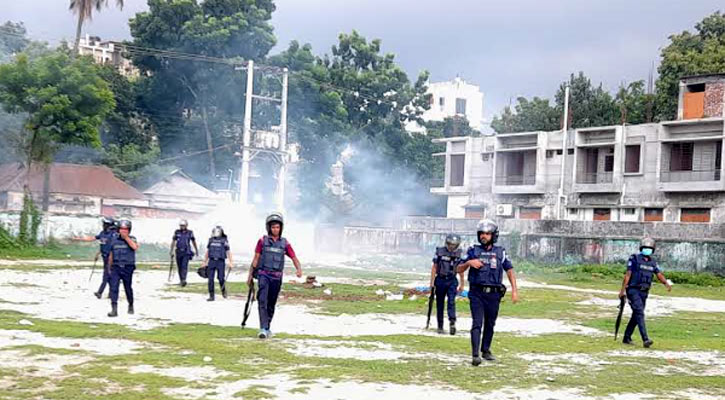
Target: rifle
[(171, 267), (430, 305), (248, 306), (619, 317), (93, 269), (227, 273)]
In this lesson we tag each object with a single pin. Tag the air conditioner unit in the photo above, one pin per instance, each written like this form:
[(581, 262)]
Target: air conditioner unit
[(504, 210)]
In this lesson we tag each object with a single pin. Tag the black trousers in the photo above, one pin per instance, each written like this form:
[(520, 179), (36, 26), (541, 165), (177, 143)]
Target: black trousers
[(484, 311), (637, 301), (182, 262), (446, 288), (121, 273), (267, 299)]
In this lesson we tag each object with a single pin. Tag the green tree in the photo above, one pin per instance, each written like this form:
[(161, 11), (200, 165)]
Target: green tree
[(702, 52), (589, 105), (635, 105), (528, 115), (12, 40), (84, 9), (64, 98), (185, 95)]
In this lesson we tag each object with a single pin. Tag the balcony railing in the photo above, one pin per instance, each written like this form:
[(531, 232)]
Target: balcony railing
[(437, 183), (594, 177), (690, 176), (516, 180)]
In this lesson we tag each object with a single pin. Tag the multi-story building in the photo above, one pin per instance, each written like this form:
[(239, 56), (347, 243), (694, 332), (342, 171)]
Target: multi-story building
[(456, 98), (669, 171), (108, 52)]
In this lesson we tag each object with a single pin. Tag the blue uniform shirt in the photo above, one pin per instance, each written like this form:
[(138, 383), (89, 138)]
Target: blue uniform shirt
[(643, 270), (123, 254), (495, 262), (105, 240), (183, 240)]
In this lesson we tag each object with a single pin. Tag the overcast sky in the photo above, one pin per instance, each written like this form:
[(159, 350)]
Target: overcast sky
[(508, 48)]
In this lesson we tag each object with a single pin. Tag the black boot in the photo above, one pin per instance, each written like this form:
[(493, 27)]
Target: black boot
[(476, 361), (183, 283), (130, 309), (453, 327), (98, 295), (224, 293), (648, 343), (211, 297), (114, 311), (627, 341), (488, 356)]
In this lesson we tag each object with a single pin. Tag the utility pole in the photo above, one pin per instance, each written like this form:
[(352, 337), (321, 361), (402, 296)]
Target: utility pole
[(246, 136), (279, 154), (564, 135), (282, 143)]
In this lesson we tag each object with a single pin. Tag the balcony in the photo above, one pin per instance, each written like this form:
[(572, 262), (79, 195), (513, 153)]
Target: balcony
[(516, 180), (595, 178), (438, 186), (706, 180)]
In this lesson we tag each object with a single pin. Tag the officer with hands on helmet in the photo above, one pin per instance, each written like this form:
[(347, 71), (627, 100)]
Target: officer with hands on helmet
[(486, 263), (181, 243), (217, 254), (641, 268), (268, 268), (122, 259), (105, 239), (443, 280)]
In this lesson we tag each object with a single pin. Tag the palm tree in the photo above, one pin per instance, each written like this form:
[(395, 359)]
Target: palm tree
[(84, 9)]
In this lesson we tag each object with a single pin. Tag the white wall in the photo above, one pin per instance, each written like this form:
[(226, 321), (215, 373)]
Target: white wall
[(450, 91), (455, 206)]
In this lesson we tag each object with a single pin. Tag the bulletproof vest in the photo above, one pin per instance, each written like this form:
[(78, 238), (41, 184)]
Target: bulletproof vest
[(273, 252), (646, 271), (123, 254), (491, 273), (217, 248), (447, 261), (105, 241), (183, 239)]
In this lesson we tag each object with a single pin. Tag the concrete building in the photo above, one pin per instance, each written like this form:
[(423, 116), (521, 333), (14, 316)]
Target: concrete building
[(669, 171), (179, 191), (453, 98), (74, 189), (107, 52)]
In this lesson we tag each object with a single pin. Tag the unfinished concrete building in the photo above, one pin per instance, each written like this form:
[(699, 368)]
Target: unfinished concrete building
[(669, 171)]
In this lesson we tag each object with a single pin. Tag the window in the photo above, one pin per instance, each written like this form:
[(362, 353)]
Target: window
[(629, 211), (457, 166), (602, 214), (653, 214), (681, 156), (695, 215), (570, 152), (549, 153), (631, 159), (608, 163), (461, 106), (474, 212), (573, 211), (529, 213), (559, 152), (441, 103)]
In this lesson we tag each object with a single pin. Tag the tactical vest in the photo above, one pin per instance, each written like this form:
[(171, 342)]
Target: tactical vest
[(447, 261), (183, 239), (105, 241), (273, 252), (645, 272), (217, 248), (491, 273), (123, 254)]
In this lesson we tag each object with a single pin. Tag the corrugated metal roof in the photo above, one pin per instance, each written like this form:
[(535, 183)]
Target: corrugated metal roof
[(88, 180), (177, 183)]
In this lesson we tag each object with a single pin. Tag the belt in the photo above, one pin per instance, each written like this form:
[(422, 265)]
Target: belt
[(217, 259), (492, 289)]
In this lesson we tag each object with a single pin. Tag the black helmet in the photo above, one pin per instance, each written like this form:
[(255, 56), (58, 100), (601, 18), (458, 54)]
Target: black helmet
[(647, 242), (274, 218), (183, 222), (487, 226), (107, 222), (453, 239), (125, 223), (218, 231)]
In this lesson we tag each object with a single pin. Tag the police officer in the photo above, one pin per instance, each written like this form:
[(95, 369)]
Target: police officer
[(217, 252), (181, 242), (641, 268), (487, 263), (122, 259), (105, 237), (267, 267), (443, 279)]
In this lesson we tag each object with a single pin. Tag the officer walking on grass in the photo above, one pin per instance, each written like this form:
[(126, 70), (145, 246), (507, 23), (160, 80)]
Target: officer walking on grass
[(443, 280), (181, 243), (105, 239), (487, 263), (217, 254), (122, 261), (268, 268), (641, 268)]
